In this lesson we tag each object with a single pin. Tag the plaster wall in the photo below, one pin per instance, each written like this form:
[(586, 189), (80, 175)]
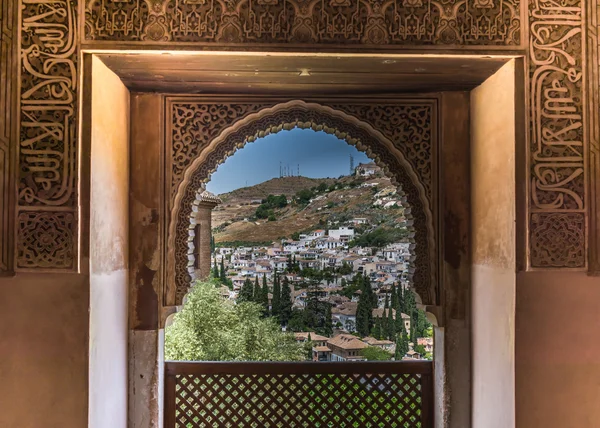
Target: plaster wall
[(557, 350), (493, 249), (109, 196), (43, 350)]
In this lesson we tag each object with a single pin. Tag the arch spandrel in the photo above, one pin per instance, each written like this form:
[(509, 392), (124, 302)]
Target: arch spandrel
[(408, 166)]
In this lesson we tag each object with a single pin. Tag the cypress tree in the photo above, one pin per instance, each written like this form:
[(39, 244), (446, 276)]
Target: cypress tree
[(276, 301), (309, 354), (264, 296), (376, 331), (257, 292), (223, 273), (391, 325), (401, 346), (364, 313), (247, 292), (394, 300), (328, 327), (286, 302), (216, 270)]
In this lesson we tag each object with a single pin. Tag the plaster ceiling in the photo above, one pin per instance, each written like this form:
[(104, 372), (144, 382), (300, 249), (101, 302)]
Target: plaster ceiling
[(315, 74)]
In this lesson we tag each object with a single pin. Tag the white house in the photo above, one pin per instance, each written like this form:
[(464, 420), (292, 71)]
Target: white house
[(342, 233)]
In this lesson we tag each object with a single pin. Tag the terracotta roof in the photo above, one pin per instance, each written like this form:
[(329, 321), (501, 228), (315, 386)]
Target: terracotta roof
[(347, 341), (348, 308), (322, 349), (303, 335)]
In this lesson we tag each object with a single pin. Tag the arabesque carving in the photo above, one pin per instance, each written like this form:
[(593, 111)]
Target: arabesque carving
[(46, 240), (393, 155), (48, 141), (342, 22), (558, 144)]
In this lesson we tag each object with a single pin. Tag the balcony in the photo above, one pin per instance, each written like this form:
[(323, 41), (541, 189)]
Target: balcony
[(300, 394)]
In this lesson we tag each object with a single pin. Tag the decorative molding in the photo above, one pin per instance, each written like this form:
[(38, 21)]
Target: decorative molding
[(592, 93), (307, 22), (558, 136), (8, 94), (48, 132), (557, 240), (396, 157), (45, 240)]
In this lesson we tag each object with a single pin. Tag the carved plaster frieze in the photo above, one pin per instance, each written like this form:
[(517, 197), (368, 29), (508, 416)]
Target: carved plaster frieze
[(558, 146), (47, 151), (339, 22), (405, 156)]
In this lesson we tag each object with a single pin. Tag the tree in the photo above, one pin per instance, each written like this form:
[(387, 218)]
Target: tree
[(420, 349), (328, 324), (401, 345), (308, 347), (223, 273), (390, 332), (264, 296), (374, 353), (216, 270), (246, 293), (286, 302), (210, 328), (276, 301), (376, 331), (256, 292), (364, 309)]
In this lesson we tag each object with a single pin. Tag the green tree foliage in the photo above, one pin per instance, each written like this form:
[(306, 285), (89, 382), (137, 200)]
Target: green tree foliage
[(246, 293), (215, 270), (322, 187), (390, 332), (210, 328), (296, 236), (304, 196), (419, 349), (380, 237), (286, 302), (256, 291), (401, 345), (267, 207), (264, 296), (308, 345), (376, 330), (373, 353), (223, 272), (276, 301), (345, 268), (364, 310)]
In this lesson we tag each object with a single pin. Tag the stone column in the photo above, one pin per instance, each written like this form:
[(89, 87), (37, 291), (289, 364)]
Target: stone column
[(202, 230)]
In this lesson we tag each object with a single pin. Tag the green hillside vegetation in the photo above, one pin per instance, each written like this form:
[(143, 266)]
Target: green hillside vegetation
[(293, 205)]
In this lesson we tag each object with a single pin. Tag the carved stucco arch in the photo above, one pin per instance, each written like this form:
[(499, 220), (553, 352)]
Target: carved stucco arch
[(286, 116)]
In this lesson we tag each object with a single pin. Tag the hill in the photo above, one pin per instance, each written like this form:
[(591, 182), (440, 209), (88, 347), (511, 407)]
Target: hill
[(312, 204)]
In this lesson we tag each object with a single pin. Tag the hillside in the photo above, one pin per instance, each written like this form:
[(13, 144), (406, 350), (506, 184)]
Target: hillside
[(336, 204)]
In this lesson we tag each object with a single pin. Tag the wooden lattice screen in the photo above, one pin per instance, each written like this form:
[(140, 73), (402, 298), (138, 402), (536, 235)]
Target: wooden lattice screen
[(356, 394)]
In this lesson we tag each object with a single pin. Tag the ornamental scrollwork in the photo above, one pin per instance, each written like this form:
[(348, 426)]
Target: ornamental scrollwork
[(353, 129), (47, 150), (558, 146), (344, 22), (46, 240)]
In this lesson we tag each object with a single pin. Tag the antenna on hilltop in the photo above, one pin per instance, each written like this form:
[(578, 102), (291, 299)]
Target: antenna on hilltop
[(298, 170), (280, 170), (351, 164)]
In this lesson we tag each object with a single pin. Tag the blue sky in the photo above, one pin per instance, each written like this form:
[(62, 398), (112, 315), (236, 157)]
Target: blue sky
[(319, 154)]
